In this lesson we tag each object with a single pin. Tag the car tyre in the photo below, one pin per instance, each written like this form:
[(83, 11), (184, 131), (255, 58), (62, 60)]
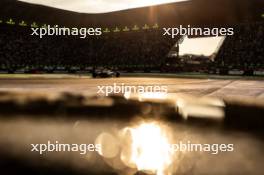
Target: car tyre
[(94, 75), (117, 74)]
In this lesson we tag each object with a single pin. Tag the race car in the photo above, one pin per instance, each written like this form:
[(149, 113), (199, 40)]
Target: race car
[(105, 73)]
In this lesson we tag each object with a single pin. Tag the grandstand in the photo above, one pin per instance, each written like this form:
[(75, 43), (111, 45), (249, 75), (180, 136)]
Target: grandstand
[(244, 50), (132, 39), (20, 50), (195, 12)]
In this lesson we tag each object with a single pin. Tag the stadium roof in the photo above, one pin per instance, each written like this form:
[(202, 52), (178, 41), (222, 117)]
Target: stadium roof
[(98, 6), (194, 12)]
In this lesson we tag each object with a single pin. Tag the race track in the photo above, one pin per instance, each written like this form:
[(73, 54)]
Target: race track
[(86, 85)]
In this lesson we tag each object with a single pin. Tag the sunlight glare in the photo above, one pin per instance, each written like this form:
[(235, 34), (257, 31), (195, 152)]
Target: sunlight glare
[(149, 148)]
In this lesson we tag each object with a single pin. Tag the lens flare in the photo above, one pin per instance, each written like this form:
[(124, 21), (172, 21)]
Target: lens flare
[(109, 145), (149, 148)]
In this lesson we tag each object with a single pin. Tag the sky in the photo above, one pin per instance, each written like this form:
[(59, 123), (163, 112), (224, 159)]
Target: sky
[(98, 6)]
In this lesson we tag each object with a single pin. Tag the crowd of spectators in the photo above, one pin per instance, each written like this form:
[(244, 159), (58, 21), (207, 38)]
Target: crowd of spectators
[(20, 50), (245, 49), (130, 50)]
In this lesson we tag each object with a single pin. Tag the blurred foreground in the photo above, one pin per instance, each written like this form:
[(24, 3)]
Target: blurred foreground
[(121, 125)]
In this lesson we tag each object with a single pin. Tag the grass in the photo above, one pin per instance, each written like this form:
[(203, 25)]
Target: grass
[(192, 75), (42, 76)]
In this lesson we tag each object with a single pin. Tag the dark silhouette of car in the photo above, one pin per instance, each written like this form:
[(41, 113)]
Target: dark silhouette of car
[(105, 73)]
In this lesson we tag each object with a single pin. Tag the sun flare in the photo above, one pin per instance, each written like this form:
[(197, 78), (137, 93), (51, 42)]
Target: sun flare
[(149, 148)]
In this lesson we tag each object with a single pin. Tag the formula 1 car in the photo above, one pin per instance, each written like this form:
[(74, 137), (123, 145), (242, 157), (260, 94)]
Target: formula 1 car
[(105, 73)]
